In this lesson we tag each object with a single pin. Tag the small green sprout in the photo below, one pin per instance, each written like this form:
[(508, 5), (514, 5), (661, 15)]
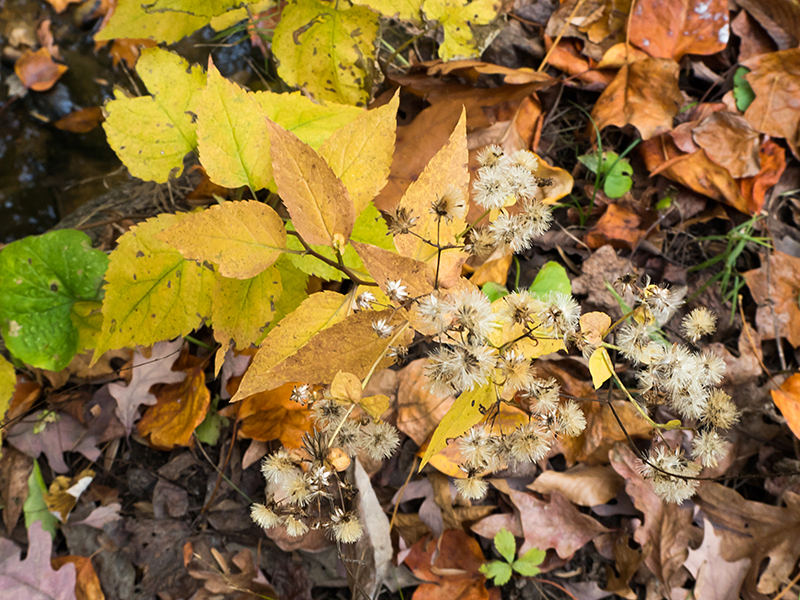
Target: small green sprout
[(527, 565)]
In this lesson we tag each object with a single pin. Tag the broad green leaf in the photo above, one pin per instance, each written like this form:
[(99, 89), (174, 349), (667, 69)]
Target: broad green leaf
[(320, 207), (242, 308), (208, 431), (325, 51), (152, 134), (316, 313), (468, 410), (41, 279), (294, 283), (311, 122), (457, 18), (163, 20), (494, 291), (241, 238), (743, 93), (552, 277), (614, 170), (528, 563), (506, 544), (600, 367), (360, 154), (497, 570), (35, 508), (152, 292), (369, 228), (407, 10), (447, 169), (232, 134)]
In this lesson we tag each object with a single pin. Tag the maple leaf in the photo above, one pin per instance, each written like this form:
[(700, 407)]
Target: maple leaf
[(152, 134), (146, 372), (34, 578), (64, 435)]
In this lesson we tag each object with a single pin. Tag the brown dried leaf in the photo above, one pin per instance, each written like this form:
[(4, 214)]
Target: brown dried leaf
[(672, 28), (87, 584), (781, 297), (384, 265), (81, 121), (730, 142), (756, 531), (37, 70), (618, 227), (716, 578), (644, 94), (581, 485), (787, 398), (754, 39), (780, 18), (418, 410), (15, 468)]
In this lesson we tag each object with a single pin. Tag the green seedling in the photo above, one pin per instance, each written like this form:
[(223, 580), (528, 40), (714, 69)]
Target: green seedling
[(612, 171), (500, 571)]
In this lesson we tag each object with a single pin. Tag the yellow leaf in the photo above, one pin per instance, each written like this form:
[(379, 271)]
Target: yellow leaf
[(560, 179), (504, 333), (384, 265), (87, 318), (594, 326), (407, 10), (360, 154), (375, 406), (316, 313), (600, 367), (163, 20), (242, 308), (241, 238), (8, 382), (232, 134), (152, 134), (316, 199), (468, 410), (152, 293), (447, 168), (232, 17), (457, 18), (325, 51), (346, 386), (294, 283)]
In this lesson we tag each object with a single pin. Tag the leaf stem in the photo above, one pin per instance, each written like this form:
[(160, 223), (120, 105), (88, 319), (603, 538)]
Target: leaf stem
[(340, 266)]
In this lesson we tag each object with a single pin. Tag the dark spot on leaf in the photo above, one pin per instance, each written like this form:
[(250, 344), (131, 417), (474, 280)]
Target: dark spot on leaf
[(139, 254), (54, 287)]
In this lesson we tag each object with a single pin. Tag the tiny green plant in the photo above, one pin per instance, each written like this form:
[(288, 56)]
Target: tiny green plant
[(527, 565)]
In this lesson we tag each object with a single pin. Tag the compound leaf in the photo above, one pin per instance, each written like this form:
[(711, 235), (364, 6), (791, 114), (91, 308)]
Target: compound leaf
[(506, 544), (41, 279)]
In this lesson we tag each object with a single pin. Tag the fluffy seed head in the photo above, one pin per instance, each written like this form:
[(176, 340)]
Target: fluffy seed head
[(515, 370), (698, 323), (396, 291), (526, 159), (491, 188), (474, 446), (278, 466), (346, 526), (667, 475), (294, 526), (327, 411), (472, 311), (529, 442), (263, 516), (490, 155), (401, 221), (509, 232), (380, 440), (561, 314), (707, 447), (569, 419), (382, 328), (365, 300), (720, 411), (450, 205), (472, 488), (481, 242), (543, 395)]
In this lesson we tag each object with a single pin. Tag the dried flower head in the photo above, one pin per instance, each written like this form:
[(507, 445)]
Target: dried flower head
[(301, 394), (263, 516), (327, 411), (401, 221), (509, 232), (380, 440), (278, 466), (720, 410), (349, 436), (707, 447), (698, 323), (382, 328), (521, 182), (491, 188), (450, 205), (433, 313), (472, 312), (490, 155), (396, 291), (543, 395), (569, 419), (294, 526), (526, 159), (345, 526), (473, 487), (529, 442), (364, 300), (474, 446), (515, 370), (481, 242), (537, 218), (298, 489), (561, 313), (668, 472)]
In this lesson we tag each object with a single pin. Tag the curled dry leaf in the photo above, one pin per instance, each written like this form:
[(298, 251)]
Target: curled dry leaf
[(37, 70), (672, 28), (581, 485), (780, 298), (644, 94), (730, 142)]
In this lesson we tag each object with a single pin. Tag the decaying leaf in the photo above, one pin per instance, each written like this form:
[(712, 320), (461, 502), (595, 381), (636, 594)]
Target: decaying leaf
[(581, 485), (787, 399), (730, 142), (15, 468), (644, 94), (780, 298), (457, 18), (715, 577), (65, 491), (241, 238), (37, 70)]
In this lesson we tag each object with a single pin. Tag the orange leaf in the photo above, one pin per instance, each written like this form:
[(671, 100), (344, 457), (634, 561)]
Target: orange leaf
[(787, 398), (672, 28), (81, 121), (37, 70), (181, 407), (87, 584), (129, 49), (773, 162), (644, 94)]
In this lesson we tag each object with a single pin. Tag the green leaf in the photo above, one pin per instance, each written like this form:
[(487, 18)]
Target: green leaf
[(325, 51), (457, 18), (369, 228), (41, 279), (152, 134), (468, 410), (497, 570), (614, 171), (552, 277), (528, 563), (35, 508), (494, 291), (743, 94), (152, 292), (208, 431), (163, 20), (506, 544)]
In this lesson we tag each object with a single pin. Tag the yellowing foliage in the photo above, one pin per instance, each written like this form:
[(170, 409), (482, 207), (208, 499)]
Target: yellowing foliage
[(242, 308), (240, 238), (408, 10), (457, 18), (152, 292), (152, 134), (327, 49)]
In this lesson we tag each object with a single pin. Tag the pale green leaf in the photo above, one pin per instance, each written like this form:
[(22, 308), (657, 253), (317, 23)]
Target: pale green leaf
[(506, 544), (325, 51), (294, 282), (552, 277), (35, 508), (497, 570), (152, 134)]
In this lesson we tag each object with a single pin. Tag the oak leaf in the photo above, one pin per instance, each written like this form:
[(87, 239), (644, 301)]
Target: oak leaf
[(242, 308), (644, 94), (180, 408), (672, 28), (37, 70), (316, 313), (317, 200), (152, 134), (34, 578), (241, 238), (779, 299), (152, 292)]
